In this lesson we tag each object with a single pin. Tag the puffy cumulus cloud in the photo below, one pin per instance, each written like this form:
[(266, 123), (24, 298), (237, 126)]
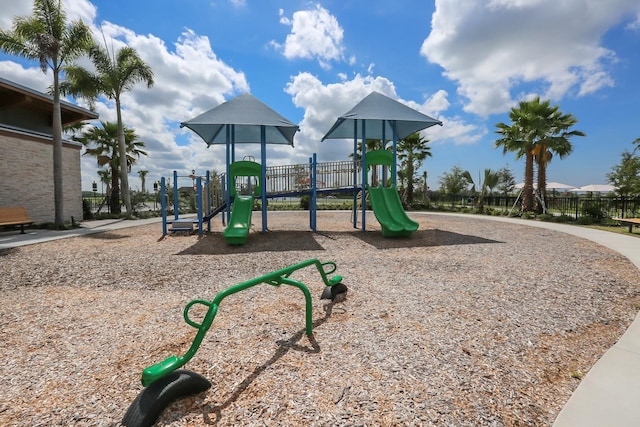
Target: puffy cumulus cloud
[(324, 103), (315, 34), (493, 49), (188, 80), (75, 9)]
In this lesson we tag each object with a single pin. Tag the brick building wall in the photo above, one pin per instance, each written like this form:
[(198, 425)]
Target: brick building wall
[(26, 175)]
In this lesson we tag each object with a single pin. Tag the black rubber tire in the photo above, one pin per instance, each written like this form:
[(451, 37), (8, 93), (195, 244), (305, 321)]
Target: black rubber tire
[(151, 401), (330, 292)]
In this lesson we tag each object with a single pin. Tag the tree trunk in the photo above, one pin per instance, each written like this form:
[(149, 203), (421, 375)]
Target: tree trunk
[(114, 195), (527, 191), (58, 189), (124, 167), (410, 181), (541, 203)]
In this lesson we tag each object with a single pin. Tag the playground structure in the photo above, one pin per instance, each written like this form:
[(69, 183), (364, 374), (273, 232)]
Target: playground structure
[(164, 382), (312, 179), (245, 119)]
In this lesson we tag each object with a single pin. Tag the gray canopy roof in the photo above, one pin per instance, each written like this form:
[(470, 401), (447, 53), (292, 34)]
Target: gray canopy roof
[(246, 114), (381, 115)]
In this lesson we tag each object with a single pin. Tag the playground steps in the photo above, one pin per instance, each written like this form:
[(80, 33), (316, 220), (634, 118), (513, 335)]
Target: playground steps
[(182, 225)]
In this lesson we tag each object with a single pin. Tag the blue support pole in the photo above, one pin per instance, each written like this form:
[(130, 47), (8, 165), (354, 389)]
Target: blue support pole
[(227, 196), (364, 175), (384, 138), (263, 173), (176, 196), (199, 203), (208, 196), (163, 205), (355, 174), (395, 153), (313, 207)]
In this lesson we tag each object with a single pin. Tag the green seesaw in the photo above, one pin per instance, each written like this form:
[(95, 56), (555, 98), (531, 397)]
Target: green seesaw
[(160, 378)]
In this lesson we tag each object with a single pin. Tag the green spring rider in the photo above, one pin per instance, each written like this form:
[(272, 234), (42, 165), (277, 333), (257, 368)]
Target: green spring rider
[(164, 382)]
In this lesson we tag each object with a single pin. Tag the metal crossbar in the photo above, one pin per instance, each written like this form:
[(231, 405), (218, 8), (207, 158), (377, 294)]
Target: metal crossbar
[(275, 278)]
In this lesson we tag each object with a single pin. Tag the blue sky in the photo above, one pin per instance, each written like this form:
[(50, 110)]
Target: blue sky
[(463, 62)]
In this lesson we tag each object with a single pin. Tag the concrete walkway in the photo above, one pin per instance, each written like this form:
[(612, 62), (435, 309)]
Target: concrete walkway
[(11, 239), (609, 395)]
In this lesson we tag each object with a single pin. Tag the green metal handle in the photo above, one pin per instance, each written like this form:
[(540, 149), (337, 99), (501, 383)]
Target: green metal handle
[(275, 278)]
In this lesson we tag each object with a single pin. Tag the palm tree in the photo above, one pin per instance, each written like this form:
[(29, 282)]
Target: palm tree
[(537, 131), (143, 177), (116, 73), (483, 188), (102, 143), (105, 178), (412, 151), (553, 140), (370, 144), (48, 38), (514, 140)]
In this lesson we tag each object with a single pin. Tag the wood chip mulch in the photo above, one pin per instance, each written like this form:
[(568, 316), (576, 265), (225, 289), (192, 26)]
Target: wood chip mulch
[(466, 323)]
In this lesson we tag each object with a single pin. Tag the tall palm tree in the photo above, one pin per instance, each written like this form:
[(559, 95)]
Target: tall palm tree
[(412, 151), (537, 131), (116, 73), (143, 178), (514, 139), (48, 38), (102, 143)]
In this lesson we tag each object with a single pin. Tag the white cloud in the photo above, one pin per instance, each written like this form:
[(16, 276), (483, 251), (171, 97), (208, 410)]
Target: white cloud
[(75, 9), (189, 79), (490, 49), (315, 34), (324, 103)]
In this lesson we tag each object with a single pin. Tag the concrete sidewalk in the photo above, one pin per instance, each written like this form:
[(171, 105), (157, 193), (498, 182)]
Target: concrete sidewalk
[(609, 395), (11, 239)]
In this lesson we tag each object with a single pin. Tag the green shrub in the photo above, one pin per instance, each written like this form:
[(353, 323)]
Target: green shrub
[(87, 214), (545, 217), (305, 202), (563, 218), (593, 210), (585, 220)]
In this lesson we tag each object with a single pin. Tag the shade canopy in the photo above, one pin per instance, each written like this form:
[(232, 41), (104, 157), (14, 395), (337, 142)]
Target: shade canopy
[(382, 115), (550, 186), (247, 115), (598, 188)]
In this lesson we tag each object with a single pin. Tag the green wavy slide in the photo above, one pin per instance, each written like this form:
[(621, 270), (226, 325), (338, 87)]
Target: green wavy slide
[(389, 212), (240, 221)]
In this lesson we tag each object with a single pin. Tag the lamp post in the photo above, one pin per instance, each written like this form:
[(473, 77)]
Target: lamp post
[(94, 187), (155, 199)]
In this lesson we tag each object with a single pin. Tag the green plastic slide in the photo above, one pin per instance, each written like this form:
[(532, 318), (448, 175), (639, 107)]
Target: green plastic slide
[(240, 221), (389, 212)]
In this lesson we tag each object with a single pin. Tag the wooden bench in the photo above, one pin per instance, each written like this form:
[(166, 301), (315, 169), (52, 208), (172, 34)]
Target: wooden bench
[(15, 216), (630, 221)]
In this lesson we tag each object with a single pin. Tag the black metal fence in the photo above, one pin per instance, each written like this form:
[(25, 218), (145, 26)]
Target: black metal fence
[(573, 206)]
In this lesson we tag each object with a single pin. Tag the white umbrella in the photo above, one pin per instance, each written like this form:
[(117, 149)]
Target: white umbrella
[(550, 186), (596, 188)]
